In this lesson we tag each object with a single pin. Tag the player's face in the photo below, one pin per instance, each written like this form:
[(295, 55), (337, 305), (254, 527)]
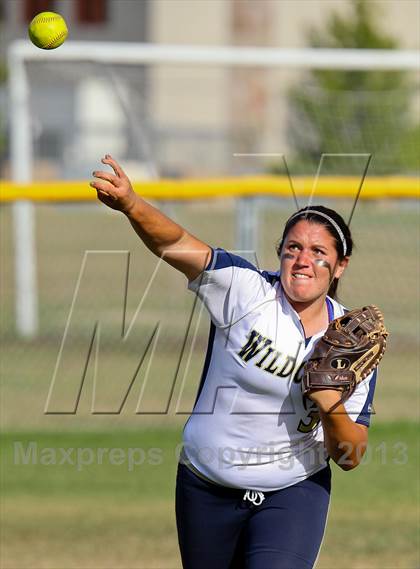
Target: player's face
[(309, 262)]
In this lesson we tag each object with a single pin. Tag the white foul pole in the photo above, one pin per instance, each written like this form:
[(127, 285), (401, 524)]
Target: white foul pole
[(26, 297)]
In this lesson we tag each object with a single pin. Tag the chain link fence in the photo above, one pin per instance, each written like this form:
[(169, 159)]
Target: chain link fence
[(87, 253), (188, 120)]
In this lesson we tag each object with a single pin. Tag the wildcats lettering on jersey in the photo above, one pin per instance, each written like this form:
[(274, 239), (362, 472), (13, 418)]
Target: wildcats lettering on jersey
[(269, 359)]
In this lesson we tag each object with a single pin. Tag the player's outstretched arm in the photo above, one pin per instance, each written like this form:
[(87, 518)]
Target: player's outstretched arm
[(159, 233)]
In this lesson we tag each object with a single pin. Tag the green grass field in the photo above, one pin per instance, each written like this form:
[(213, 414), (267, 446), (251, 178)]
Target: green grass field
[(108, 516)]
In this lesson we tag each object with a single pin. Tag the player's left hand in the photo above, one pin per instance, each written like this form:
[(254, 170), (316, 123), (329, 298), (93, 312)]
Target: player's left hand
[(347, 353)]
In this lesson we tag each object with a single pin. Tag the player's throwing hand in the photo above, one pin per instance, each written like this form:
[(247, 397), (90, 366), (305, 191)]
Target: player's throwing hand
[(114, 190)]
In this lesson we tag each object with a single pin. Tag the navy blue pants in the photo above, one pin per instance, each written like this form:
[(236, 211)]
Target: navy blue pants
[(217, 529)]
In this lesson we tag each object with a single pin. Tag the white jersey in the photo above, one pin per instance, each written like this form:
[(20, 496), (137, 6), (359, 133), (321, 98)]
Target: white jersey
[(250, 427)]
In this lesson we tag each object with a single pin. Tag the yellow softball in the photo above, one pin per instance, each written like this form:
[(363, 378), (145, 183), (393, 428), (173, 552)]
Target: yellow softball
[(47, 30)]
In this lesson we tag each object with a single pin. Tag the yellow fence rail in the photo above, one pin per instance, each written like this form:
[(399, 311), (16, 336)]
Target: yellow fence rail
[(188, 189)]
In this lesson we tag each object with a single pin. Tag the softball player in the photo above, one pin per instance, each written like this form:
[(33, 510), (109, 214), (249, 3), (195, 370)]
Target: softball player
[(253, 484)]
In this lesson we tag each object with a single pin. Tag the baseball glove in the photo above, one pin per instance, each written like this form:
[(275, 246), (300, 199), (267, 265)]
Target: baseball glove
[(348, 352)]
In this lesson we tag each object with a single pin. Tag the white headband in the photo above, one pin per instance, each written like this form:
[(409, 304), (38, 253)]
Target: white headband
[(333, 223)]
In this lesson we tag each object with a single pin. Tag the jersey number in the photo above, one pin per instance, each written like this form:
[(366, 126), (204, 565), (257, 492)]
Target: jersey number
[(313, 420)]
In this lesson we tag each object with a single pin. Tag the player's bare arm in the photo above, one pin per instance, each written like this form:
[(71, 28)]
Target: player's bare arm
[(159, 233), (345, 440)]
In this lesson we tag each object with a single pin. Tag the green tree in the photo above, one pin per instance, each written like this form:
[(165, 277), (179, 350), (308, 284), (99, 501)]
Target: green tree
[(334, 111)]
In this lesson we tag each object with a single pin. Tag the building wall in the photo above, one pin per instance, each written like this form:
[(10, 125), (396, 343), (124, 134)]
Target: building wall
[(209, 22), (127, 21), (246, 101), (192, 23), (202, 115)]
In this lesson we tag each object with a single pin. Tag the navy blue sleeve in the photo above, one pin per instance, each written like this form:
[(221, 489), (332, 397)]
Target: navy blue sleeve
[(364, 415), (230, 286)]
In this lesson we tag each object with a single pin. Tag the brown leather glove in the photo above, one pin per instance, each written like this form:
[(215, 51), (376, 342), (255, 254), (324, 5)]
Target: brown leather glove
[(350, 349)]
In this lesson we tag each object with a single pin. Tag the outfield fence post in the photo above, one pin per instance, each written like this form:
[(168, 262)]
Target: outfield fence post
[(26, 295), (247, 224)]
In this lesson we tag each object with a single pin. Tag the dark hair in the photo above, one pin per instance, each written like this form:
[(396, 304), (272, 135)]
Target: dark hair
[(335, 225)]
